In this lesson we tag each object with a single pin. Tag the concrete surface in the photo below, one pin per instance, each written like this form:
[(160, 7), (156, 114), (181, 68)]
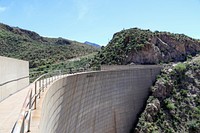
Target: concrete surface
[(10, 109), (96, 102), (14, 76)]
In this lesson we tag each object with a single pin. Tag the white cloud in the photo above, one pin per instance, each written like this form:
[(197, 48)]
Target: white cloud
[(83, 8), (2, 9)]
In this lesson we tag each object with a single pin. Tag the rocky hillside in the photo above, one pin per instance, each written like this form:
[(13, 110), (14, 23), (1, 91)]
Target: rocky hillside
[(146, 47), (174, 105), (39, 51)]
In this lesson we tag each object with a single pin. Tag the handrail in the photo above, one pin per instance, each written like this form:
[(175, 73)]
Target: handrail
[(22, 125)]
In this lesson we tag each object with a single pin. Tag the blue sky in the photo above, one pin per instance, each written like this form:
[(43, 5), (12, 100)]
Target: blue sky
[(97, 20)]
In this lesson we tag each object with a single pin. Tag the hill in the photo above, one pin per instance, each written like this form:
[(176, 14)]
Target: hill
[(146, 47), (27, 45), (92, 44), (174, 105)]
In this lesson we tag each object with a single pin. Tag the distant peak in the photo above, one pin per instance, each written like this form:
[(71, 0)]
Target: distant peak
[(92, 44)]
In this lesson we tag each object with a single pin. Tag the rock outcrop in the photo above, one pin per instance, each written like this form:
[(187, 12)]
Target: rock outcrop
[(174, 105), (145, 47), (164, 47)]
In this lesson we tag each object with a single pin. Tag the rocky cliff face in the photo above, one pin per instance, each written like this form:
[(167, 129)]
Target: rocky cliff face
[(146, 47), (164, 48), (174, 105)]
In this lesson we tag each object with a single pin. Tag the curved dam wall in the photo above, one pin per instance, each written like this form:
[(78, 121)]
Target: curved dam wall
[(14, 76), (97, 102)]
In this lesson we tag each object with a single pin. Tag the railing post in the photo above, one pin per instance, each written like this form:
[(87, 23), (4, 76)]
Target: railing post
[(49, 78), (29, 121), (30, 97), (39, 87), (35, 94), (22, 128), (46, 81), (43, 85)]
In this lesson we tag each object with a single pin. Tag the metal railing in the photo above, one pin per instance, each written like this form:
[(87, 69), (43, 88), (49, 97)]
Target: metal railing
[(22, 125)]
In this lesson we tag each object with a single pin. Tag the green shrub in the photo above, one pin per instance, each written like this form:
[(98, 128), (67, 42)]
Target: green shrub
[(180, 67), (171, 106), (194, 127)]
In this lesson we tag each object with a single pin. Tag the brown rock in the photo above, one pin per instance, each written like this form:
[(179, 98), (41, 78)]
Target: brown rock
[(162, 89), (152, 109), (164, 48)]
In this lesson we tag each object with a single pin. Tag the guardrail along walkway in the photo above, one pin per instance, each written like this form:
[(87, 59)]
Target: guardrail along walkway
[(18, 106), (10, 109), (22, 124)]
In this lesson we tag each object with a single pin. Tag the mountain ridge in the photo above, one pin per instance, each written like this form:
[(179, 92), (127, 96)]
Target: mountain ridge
[(28, 45), (92, 44)]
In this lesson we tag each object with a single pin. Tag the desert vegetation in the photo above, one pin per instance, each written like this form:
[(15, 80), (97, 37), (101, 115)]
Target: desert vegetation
[(174, 105)]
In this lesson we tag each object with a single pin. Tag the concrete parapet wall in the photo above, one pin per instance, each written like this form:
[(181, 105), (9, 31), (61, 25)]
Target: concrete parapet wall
[(130, 66), (14, 76), (97, 102)]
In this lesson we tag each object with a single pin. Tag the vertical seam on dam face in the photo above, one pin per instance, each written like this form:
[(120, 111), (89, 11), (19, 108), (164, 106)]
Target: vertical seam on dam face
[(97, 102)]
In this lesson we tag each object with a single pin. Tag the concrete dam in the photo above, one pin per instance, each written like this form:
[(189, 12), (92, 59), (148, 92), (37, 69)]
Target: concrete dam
[(105, 101)]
